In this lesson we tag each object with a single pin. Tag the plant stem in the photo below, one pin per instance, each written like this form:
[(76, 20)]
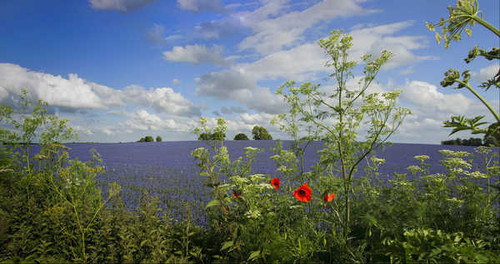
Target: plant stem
[(486, 25), (495, 114)]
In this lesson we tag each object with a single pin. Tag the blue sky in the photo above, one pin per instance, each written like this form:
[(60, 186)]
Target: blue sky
[(119, 70)]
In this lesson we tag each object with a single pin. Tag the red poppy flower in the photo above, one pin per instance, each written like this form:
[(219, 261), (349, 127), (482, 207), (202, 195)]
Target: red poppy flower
[(275, 182), (303, 193), (328, 197), (236, 195)]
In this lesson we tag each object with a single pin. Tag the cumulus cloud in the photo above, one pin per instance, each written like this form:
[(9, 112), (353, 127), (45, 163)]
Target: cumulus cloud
[(430, 107), (196, 54), (486, 73), (222, 84), (374, 39), (300, 63), (120, 5), (199, 6), (71, 92), (426, 96), (162, 100), (306, 61), (144, 121), (74, 93), (273, 31), (239, 87)]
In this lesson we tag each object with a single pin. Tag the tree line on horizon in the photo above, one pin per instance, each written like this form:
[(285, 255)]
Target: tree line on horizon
[(258, 133), (150, 139)]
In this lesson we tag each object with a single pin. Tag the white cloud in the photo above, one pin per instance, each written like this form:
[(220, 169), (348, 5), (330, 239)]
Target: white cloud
[(273, 33), (239, 87), (300, 63), (304, 62), (201, 5), (196, 54), (120, 5), (430, 108), (222, 85), (108, 131), (72, 92), (374, 39), (82, 130), (425, 96), (162, 100), (486, 73), (144, 121)]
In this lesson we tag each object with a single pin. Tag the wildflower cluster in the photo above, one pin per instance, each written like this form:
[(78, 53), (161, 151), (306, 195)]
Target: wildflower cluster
[(303, 193)]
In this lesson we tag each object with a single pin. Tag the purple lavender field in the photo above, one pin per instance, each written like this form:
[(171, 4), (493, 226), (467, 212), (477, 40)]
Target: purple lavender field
[(167, 170)]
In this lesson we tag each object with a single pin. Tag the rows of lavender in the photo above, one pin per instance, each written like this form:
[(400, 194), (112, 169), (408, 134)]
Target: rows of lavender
[(168, 171)]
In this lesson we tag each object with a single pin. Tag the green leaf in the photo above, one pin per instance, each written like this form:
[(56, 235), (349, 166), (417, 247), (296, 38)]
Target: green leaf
[(227, 245), (254, 255), (212, 203)]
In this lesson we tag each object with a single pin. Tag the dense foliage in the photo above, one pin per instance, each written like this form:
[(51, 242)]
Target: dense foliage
[(212, 136), (147, 139), (241, 136), (260, 133), (464, 142)]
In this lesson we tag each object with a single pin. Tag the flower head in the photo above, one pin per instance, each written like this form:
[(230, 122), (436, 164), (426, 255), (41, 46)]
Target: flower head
[(236, 195), (275, 182), (328, 197), (303, 193)]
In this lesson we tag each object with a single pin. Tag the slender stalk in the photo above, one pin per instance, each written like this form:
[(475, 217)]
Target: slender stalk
[(495, 114), (486, 25)]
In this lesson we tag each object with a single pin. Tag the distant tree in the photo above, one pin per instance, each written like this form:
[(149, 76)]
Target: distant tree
[(158, 139), (142, 140), (241, 136), (204, 136), (212, 136), (149, 139), (218, 136), (491, 141), (464, 142), (260, 133)]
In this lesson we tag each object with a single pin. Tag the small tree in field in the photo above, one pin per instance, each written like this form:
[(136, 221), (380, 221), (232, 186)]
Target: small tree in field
[(158, 139), (260, 133), (241, 136)]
